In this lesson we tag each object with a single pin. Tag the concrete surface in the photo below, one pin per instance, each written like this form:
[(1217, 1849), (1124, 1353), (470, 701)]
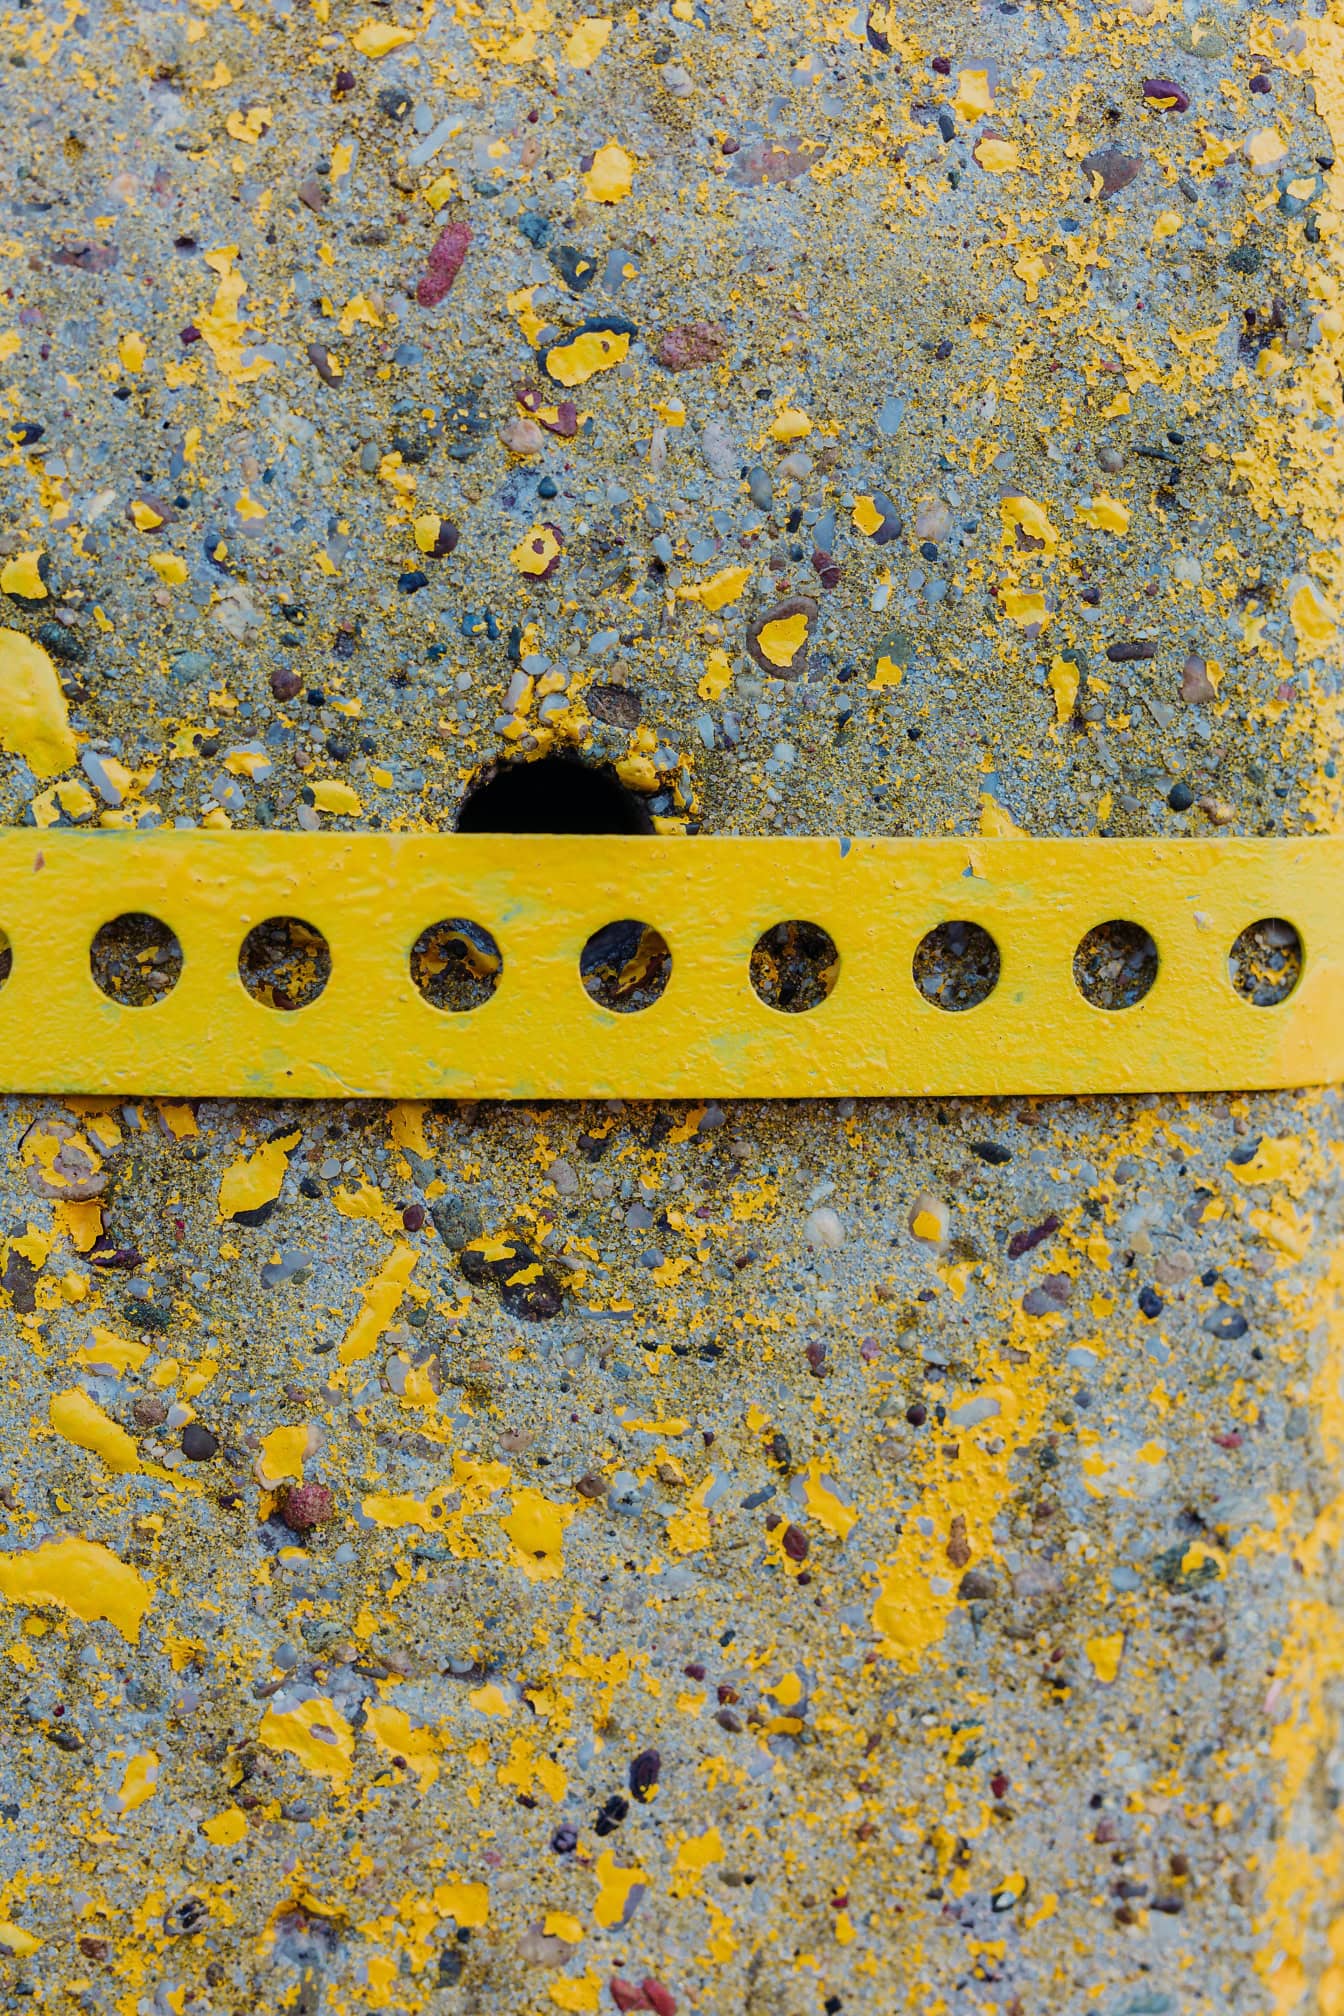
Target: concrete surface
[(884, 1557)]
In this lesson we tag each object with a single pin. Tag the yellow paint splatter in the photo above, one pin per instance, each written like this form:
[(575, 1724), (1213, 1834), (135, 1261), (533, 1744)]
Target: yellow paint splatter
[(611, 176), (282, 1456), (782, 639), (1104, 1655), (376, 39), (584, 355), (1103, 514), (1063, 677), (536, 1526), (1314, 622), (34, 722), (535, 550), (21, 575), (1032, 519), (139, 1781), (614, 1887), (790, 424), (81, 1576), (391, 1730), (330, 794), (316, 1733), (255, 1179), (226, 1829), (465, 1903), (1027, 608), (974, 94), (382, 1299), (79, 1419), (586, 41), (719, 590), (997, 157)]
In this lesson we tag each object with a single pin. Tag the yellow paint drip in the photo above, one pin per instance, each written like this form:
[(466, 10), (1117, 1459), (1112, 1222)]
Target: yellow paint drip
[(919, 1586), (77, 1417), (1063, 679), (382, 1299)]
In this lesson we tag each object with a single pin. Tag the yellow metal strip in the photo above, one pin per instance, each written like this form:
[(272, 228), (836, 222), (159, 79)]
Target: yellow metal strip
[(371, 1033)]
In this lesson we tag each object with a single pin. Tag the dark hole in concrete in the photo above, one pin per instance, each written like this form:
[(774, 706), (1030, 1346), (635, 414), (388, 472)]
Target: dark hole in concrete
[(794, 966), (1266, 962), (555, 794), (284, 962), (956, 965), (626, 965), (456, 964), (1115, 965), (135, 959)]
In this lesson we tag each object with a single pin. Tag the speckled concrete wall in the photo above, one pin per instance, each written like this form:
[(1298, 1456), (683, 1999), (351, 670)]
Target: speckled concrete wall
[(777, 1559)]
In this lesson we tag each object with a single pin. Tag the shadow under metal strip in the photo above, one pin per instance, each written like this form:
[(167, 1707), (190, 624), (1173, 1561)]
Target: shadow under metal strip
[(371, 1034)]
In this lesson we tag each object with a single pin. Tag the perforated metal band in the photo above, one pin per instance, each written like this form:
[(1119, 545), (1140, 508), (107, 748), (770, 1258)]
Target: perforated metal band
[(371, 1033)]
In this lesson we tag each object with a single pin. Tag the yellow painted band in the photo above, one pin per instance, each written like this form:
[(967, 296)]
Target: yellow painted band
[(370, 1033)]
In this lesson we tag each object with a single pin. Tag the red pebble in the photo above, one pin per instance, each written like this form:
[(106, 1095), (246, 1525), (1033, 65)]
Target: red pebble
[(445, 263), (659, 1998), (306, 1506), (625, 1995)]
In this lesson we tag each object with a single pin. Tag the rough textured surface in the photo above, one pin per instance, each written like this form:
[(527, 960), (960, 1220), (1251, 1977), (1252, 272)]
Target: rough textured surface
[(777, 1559)]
